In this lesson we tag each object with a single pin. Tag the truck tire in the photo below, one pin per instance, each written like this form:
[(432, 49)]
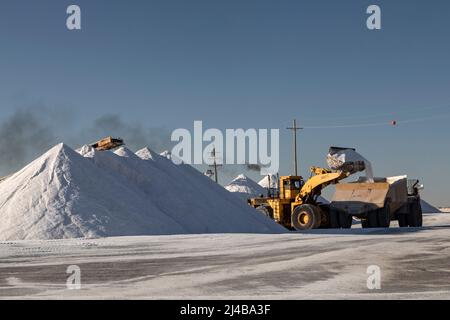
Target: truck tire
[(364, 223), (420, 214), (325, 217), (402, 220), (345, 220), (265, 210), (371, 220), (334, 219), (415, 215), (305, 217), (384, 217)]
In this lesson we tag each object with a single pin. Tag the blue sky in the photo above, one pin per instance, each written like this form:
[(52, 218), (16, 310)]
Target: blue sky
[(250, 64)]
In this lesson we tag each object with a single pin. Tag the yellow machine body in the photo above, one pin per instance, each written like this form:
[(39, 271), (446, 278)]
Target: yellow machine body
[(293, 192)]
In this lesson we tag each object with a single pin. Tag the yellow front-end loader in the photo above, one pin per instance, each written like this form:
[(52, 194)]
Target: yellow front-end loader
[(297, 205)]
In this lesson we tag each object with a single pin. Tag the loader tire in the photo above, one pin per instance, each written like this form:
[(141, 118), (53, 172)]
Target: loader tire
[(415, 215), (334, 219), (265, 210), (384, 217), (345, 220), (305, 217)]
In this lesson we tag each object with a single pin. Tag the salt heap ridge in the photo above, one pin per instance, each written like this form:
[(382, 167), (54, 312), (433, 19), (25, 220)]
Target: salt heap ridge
[(88, 194)]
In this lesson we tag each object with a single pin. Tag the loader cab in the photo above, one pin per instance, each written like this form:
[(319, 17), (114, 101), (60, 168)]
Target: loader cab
[(290, 186)]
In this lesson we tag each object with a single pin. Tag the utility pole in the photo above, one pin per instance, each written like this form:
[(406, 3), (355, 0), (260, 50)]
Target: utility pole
[(294, 130), (215, 165)]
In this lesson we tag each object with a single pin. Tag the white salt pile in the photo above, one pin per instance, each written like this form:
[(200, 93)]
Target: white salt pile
[(65, 194), (245, 188), (269, 181), (428, 208)]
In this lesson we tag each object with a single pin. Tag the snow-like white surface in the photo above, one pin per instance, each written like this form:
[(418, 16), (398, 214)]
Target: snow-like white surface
[(321, 264), (245, 188), (65, 194)]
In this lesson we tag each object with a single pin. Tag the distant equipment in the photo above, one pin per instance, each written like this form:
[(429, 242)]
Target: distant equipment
[(107, 143)]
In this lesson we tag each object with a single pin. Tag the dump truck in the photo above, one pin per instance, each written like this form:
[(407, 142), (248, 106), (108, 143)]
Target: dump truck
[(377, 203), (107, 143)]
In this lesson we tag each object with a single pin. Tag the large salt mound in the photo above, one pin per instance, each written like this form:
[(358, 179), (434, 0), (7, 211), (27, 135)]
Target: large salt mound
[(65, 194), (245, 188)]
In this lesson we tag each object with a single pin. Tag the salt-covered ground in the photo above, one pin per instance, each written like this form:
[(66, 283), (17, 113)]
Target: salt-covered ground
[(330, 264)]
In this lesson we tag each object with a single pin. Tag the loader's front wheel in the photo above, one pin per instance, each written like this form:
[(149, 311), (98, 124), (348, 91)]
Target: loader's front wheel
[(306, 217)]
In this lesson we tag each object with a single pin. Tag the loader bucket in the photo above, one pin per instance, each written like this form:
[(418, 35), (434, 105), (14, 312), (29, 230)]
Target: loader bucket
[(358, 198), (346, 160)]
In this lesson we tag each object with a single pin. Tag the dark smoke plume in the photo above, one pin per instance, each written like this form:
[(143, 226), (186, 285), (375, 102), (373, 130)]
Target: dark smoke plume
[(135, 135), (253, 167), (23, 137), (30, 132)]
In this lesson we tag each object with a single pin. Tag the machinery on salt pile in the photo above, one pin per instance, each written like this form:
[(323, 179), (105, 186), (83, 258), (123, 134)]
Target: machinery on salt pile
[(108, 143)]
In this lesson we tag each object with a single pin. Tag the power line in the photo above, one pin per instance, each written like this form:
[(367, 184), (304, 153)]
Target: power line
[(375, 124)]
